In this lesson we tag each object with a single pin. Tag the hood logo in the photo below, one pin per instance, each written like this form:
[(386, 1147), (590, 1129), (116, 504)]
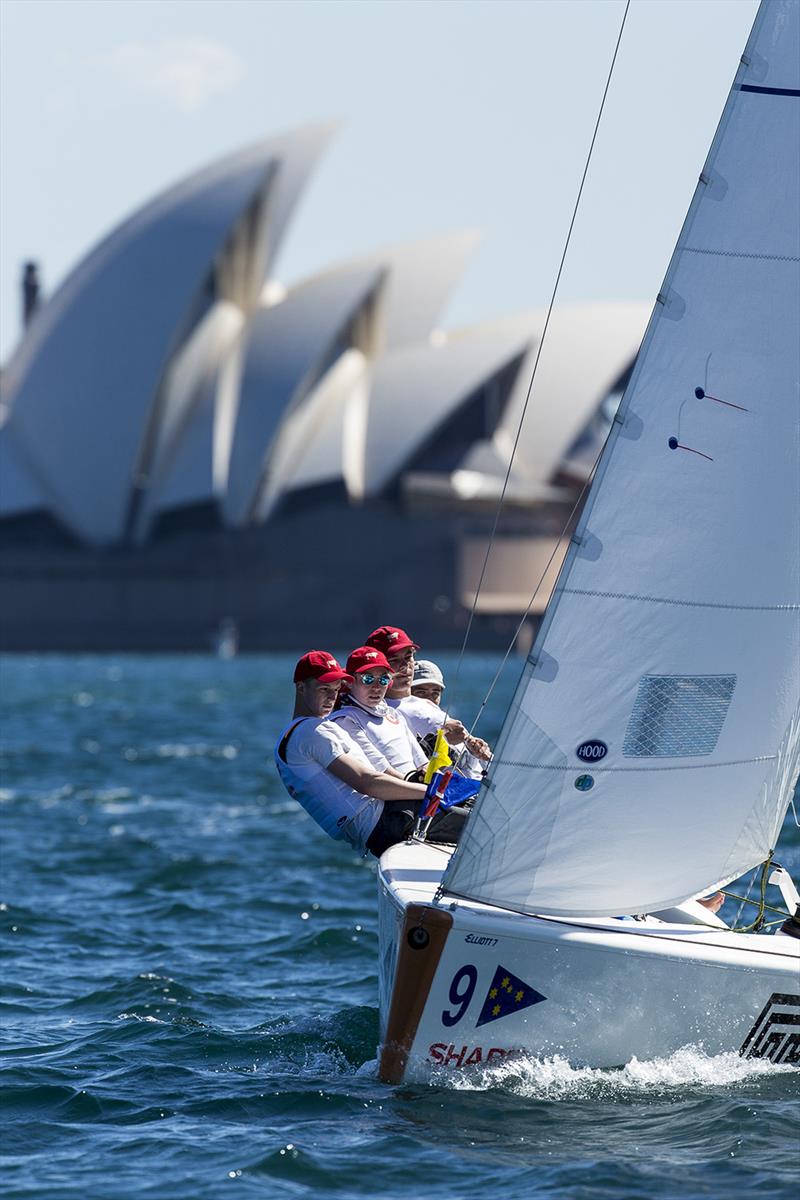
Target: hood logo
[(592, 750)]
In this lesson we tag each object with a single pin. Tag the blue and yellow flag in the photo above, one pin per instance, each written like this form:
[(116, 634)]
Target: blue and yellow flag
[(440, 757)]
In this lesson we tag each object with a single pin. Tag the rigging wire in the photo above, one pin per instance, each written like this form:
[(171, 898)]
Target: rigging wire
[(791, 802), (745, 899), (539, 348), (757, 924), (534, 594)]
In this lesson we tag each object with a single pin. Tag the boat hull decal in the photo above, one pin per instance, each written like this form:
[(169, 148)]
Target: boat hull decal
[(776, 1032), (507, 994), (443, 1055), (478, 940)]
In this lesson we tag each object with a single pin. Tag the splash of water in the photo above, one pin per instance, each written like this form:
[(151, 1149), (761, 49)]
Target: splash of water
[(556, 1079)]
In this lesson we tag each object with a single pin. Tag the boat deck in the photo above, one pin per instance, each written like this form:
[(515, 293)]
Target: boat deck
[(412, 871)]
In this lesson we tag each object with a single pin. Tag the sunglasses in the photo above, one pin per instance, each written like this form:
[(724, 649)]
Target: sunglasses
[(368, 678)]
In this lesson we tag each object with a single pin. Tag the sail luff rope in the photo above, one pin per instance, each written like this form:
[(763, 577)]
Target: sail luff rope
[(539, 348)]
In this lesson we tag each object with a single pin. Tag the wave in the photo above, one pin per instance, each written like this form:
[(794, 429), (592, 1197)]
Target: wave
[(180, 750)]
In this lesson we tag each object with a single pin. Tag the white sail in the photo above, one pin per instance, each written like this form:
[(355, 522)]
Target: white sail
[(670, 652)]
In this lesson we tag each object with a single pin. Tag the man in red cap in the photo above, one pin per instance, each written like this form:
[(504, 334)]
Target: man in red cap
[(324, 770), (399, 650), (381, 732)]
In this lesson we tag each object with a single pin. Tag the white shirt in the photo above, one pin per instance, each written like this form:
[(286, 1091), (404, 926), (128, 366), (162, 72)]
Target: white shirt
[(383, 734), (424, 717), (342, 812)]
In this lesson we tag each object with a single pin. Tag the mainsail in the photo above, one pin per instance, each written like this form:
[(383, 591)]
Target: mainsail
[(654, 737)]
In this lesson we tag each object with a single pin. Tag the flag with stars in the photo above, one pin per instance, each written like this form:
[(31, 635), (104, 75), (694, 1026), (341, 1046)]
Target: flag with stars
[(507, 994)]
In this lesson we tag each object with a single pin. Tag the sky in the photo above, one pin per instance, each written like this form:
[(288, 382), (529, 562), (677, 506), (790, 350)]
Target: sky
[(453, 114)]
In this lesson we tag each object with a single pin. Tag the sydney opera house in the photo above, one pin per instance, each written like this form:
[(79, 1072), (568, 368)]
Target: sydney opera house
[(185, 440)]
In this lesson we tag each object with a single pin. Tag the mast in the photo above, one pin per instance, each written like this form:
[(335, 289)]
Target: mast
[(653, 741)]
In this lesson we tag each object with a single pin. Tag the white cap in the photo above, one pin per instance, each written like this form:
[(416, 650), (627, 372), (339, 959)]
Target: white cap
[(426, 671)]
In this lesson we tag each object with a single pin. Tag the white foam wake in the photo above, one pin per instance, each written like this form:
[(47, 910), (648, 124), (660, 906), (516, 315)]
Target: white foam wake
[(555, 1079)]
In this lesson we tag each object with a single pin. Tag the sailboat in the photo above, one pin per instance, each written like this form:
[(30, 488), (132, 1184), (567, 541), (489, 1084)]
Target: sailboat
[(652, 745)]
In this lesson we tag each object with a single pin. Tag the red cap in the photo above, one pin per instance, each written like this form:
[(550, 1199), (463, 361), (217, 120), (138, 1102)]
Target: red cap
[(367, 658), (319, 665), (389, 639)]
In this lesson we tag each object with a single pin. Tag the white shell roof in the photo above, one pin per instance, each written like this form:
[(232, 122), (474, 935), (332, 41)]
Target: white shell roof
[(190, 478), (420, 277), (180, 471), (83, 383), (416, 389), (197, 363), (288, 348), (415, 281), (587, 348), (323, 440)]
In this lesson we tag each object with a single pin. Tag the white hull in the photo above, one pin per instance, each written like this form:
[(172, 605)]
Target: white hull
[(597, 992)]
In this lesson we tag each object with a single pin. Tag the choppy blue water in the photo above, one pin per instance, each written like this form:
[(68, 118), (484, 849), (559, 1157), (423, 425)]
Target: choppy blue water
[(189, 986)]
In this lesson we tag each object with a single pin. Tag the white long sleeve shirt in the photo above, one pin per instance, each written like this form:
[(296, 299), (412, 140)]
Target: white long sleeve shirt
[(312, 745), (383, 734)]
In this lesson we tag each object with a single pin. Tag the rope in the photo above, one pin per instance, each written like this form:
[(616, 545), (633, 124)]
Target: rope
[(767, 907), (501, 500), (754, 926)]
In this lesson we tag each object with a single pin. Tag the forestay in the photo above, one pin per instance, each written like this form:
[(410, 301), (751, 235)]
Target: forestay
[(669, 655)]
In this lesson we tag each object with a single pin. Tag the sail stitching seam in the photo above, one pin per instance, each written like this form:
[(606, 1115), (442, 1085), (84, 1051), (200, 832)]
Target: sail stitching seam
[(736, 762), (743, 254), (682, 603)]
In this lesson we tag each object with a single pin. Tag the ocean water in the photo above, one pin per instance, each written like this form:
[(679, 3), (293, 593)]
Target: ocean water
[(189, 983)]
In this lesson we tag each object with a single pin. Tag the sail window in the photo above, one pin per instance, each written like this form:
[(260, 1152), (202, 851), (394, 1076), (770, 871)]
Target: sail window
[(677, 716)]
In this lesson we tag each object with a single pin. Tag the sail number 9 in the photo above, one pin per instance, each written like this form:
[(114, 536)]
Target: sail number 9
[(462, 989)]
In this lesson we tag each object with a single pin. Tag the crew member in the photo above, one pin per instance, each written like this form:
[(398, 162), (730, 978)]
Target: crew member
[(399, 650), (423, 711), (330, 777), (380, 731)]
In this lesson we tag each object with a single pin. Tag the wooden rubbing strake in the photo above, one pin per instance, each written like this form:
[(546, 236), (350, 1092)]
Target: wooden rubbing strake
[(412, 983)]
